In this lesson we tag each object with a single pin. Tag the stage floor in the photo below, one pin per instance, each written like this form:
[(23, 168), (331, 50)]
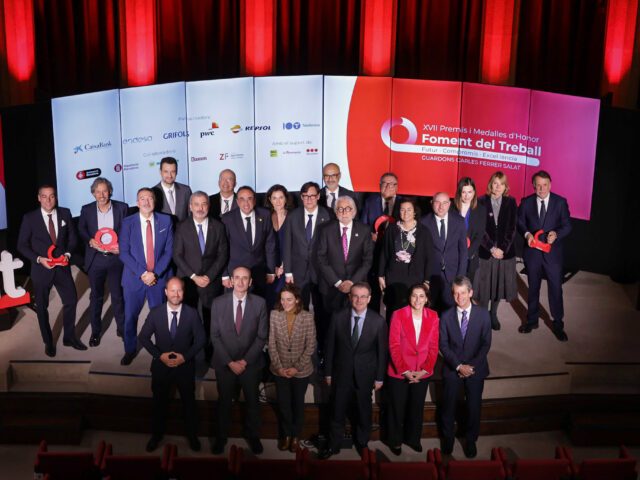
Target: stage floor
[(601, 355)]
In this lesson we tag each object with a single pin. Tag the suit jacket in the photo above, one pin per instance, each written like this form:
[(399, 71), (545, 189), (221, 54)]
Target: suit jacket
[(228, 345), (330, 256), (215, 202), (132, 249), (34, 240), (421, 265), (362, 365), (188, 257), (475, 231), (190, 337), (557, 219), (342, 192), (372, 209), (473, 349), (405, 353), (262, 254), (294, 351), (182, 195), (299, 254), (453, 253), (88, 225), (502, 235)]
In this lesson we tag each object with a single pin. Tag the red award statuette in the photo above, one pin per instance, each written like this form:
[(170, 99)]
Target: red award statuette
[(62, 260), (539, 244), (381, 221), (107, 239)]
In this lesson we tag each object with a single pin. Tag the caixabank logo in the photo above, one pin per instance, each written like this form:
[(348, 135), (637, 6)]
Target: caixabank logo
[(88, 147)]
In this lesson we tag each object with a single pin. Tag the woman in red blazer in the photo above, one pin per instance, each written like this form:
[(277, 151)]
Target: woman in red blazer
[(413, 349)]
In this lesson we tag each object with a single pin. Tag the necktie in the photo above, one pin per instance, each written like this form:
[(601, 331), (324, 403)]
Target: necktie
[(201, 238), (249, 231), (333, 201), (354, 333), (150, 256), (239, 317), (543, 213), (308, 229), (386, 207), (226, 206), (174, 325), (52, 229), (172, 201), (464, 324), (345, 243), (443, 236)]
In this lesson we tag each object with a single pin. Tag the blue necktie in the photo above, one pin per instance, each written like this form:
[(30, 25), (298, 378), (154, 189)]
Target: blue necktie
[(464, 324), (201, 238), (308, 228), (174, 325), (354, 332)]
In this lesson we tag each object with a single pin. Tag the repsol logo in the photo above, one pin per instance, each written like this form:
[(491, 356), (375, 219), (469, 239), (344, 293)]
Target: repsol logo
[(258, 127)]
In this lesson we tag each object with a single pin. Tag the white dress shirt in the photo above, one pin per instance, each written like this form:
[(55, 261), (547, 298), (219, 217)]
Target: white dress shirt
[(223, 205), (252, 215), (54, 218), (236, 299), (143, 229), (439, 224), (170, 315), (170, 192)]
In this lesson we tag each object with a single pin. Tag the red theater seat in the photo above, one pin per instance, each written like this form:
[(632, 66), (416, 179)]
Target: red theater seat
[(401, 470), (468, 469), (313, 469), (268, 469), (534, 469), (196, 468), (621, 468), (135, 467), (68, 465)]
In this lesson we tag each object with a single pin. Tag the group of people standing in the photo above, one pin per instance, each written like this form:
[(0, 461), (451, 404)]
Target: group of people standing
[(336, 255)]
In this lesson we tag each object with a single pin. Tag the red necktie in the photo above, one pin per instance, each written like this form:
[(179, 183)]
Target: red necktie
[(52, 229), (239, 317), (150, 257)]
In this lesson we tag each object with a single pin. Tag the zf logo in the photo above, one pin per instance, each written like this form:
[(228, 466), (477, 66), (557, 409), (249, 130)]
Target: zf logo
[(224, 156)]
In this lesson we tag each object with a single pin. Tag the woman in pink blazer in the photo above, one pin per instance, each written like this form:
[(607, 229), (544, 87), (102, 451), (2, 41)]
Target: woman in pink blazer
[(413, 350)]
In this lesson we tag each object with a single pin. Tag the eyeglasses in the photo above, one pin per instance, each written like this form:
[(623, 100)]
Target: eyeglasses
[(331, 175), (344, 209), (306, 196)]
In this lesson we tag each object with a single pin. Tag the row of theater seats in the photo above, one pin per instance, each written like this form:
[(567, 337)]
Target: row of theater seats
[(103, 464)]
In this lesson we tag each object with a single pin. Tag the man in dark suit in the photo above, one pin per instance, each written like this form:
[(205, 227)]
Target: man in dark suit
[(355, 363), (332, 191), (146, 246), (179, 336), (101, 264), (41, 228), (200, 251), (449, 235), (252, 242), (465, 340), (172, 197), (225, 200), (300, 236), (239, 330), (548, 212), (344, 255)]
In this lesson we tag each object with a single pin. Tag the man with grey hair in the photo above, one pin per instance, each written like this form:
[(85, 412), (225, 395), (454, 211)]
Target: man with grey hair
[(102, 264), (225, 200)]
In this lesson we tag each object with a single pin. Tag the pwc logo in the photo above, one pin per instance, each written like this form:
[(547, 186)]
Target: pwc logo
[(14, 295)]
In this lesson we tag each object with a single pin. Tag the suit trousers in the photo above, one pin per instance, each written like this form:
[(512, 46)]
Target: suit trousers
[(290, 394), (63, 281), (442, 296), (345, 396), (107, 268), (133, 303), (162, 379), (405, 410), (536, 268), (311, 294), (473, 387), (228, 383)]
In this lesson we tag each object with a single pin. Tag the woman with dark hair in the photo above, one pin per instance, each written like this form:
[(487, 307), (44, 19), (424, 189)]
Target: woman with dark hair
[(413, 351), (292, 342), (405, 257), (496, 277), (278, 202), (474, 214)]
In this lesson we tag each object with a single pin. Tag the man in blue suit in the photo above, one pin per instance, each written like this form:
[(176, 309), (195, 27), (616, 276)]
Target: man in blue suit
[(465, 340), (449, 235), (548, 212), (146, 245), (179, 336), (101, 264)]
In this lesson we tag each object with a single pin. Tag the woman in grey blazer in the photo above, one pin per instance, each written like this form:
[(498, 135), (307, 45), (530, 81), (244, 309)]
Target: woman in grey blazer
[(292, 342)]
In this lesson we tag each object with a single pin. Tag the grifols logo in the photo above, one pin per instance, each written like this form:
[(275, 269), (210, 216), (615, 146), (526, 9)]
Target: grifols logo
[(14, 295)]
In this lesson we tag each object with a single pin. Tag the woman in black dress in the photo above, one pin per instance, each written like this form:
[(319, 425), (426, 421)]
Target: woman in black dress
[(474, 214), (277, 200)]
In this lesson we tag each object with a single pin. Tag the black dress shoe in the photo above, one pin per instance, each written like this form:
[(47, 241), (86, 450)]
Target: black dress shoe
[(397, 451), (153, 443), (326, 453), (218, 446), (495, 324), (119, 333), (470, 450), (194, 444), (359, 448), (415, 447), (127, 358), (447, 446), (50, 350), (94, 341), (74, 343), (255, 445), (560, 334), (527, 328)]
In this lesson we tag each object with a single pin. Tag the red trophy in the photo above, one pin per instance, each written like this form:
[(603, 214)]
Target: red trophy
[(107, 239), (539, 244), (381, 223), (62, 260)]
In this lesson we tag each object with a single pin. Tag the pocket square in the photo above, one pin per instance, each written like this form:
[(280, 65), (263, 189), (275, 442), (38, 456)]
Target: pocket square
[(62, 223), (162, 230)]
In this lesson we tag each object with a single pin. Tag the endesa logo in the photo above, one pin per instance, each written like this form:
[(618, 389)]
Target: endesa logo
[(90, 173), (128, 141), (291, 126), (176, 134), (257, 127), (91, 146)]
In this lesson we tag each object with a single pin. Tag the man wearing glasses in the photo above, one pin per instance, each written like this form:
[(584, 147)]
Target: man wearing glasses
[(332, 191)]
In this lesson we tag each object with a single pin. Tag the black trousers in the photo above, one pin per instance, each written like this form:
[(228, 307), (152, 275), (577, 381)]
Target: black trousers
[(162, 379), (59, 277), (290, 394), (345, 396), (405, 411), (228, 383), (105, 268), (473, 387)]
